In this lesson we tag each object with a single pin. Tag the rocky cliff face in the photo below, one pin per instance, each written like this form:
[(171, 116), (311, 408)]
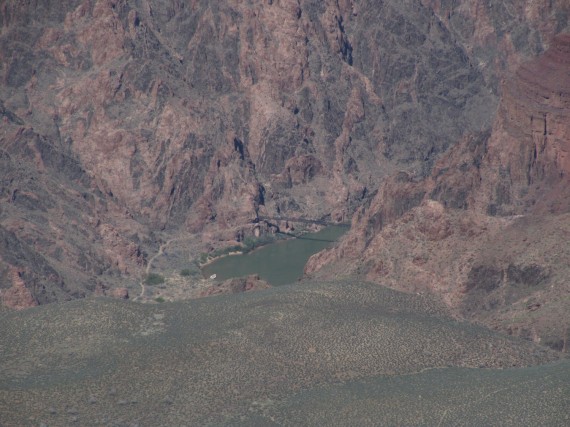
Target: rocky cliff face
[(487, 229), (121, 120)]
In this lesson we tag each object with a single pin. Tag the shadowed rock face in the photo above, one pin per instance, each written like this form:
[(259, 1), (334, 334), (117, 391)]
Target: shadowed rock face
[(122, 119)]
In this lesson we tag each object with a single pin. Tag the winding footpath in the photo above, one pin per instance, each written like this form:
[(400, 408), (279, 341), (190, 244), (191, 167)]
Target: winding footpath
[(149, 265)]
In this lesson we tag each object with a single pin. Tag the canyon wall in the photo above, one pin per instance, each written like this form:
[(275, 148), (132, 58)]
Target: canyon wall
[(487, 229), (125, 120)]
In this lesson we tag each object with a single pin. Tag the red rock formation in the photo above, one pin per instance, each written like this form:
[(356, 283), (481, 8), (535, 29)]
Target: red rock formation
[(486, 216), (18, 296), (528, 151), (124, 120)]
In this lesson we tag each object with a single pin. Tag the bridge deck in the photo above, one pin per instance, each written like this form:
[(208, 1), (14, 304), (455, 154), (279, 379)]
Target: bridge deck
[(304, 221)]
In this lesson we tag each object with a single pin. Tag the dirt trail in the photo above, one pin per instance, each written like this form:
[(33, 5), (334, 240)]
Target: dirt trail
[(149, 265)]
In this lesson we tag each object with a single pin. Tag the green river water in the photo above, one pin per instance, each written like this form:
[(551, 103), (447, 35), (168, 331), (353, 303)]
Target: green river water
[(279, 263)]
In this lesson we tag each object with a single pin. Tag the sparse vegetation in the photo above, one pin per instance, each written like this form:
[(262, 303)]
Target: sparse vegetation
[(251, 243), (185, 272), (174, 341), (153, 279)]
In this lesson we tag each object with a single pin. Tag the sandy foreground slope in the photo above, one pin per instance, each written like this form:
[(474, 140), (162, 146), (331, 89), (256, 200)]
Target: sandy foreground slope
[(336, 352)]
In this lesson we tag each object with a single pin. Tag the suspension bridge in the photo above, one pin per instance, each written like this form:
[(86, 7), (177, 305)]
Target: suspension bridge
[(304, 221)]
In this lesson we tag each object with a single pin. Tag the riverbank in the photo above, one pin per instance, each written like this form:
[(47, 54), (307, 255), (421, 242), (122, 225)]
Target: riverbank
[(279, 263), (257, 246), (214, 259)]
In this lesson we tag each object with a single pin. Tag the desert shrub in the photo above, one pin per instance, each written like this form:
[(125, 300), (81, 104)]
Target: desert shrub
[(159, 299), (154, 279), (248, 243), (185, 272)]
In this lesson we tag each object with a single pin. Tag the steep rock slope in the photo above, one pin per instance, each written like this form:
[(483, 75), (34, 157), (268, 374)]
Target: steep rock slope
[(488, 229), (121, 120)]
